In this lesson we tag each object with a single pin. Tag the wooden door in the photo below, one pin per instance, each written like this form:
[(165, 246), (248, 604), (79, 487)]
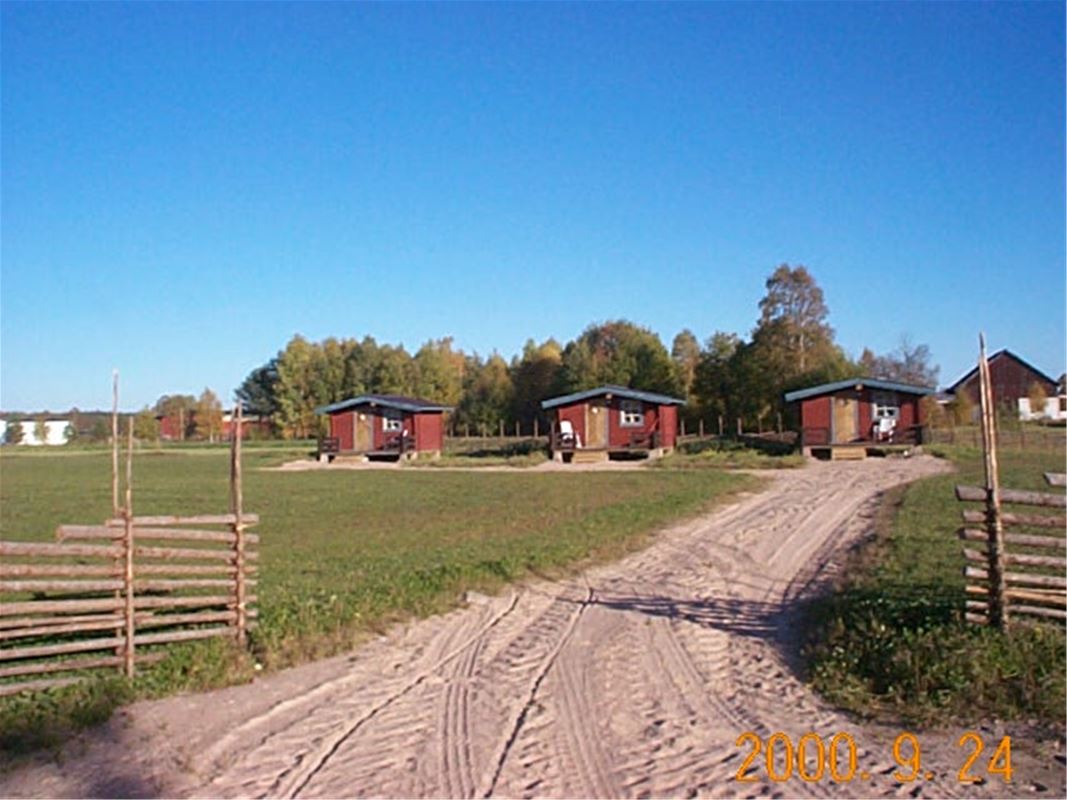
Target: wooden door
[(363, 432), (596, 423), (846, 419)]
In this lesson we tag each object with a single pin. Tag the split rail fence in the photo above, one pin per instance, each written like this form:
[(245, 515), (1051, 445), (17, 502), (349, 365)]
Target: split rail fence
[(104, 597), (1014, 574)]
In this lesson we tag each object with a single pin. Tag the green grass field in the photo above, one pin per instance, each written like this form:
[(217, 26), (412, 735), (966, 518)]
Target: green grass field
[(890, 641), (345, 552)]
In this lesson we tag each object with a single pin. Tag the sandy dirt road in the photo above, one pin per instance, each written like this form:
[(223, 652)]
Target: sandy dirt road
[(632, 680)]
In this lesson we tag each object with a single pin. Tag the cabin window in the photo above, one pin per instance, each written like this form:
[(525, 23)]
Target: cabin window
[(390, 420), (885, 406), (631, 414)]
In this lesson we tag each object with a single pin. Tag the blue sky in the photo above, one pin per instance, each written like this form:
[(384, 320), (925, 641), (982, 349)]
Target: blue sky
[(186, 186)]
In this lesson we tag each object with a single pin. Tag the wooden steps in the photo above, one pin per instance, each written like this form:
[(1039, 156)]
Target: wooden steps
[(589, 457), (848, 453)]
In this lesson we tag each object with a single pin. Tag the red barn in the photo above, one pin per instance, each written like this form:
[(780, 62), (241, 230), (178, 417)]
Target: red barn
[(384, 425), (1011, 379), (859, 412), (612, 421)]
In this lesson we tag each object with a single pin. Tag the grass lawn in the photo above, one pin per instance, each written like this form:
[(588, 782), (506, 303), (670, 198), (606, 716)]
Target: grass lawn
[(343, 553), (890, 641)]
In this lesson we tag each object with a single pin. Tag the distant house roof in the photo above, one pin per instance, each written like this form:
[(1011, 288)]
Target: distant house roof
[(872, 383), (618, 391), (1005, 353), (397, 401)]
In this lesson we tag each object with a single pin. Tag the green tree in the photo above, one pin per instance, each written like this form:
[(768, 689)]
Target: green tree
[(257, 390), (294, 389), (100, 431), (963, 408), (178, 410), (145, 425), (40, 430), (620, 353), (685, 352), (13, 433), (208, 416), (70, 433), (1038, 398), (487, 399), (908, 363), (534, 377), (714, 379), (439, 372), (793, 318)]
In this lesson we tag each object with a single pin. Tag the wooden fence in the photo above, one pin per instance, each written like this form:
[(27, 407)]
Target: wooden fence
[(1028, 589), (100, 595), (1014, 574)]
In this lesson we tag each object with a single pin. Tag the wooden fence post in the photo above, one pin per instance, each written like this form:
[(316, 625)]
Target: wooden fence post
[(236, 503), (682, 424), (998, 612), (518, 433), (701, 427), (779, 423), (739, 426), (127, 543), (535, 427), (720, 426)]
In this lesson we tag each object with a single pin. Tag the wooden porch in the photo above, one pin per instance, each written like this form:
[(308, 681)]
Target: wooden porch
[(396, 446)]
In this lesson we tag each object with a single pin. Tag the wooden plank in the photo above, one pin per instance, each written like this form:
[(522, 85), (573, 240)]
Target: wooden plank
[(1038, 596), (1031, 540), (9, 623), (143, 551), (181, 636), (71, 665), (1016, 496), (1036, 561), (199, 519), (108, 622), (59, 586), (64, 532), (42, 570), (1056, 478), (13, 653), (977, 619), (165, 585), (188, 602), (1037, 611), (975, 555), (58, 549), (36, 686), (194, 569), (59, 606), (150, 620), (1012, 518), (1019, 578)]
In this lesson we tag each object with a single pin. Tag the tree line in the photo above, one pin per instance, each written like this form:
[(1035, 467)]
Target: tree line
[(792, 345)]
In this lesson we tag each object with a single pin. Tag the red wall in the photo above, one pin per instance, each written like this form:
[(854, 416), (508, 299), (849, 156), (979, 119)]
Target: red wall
[(661, 418), (1010, 380), (342, 429), (429, 431), (815, 413), (576, 414)]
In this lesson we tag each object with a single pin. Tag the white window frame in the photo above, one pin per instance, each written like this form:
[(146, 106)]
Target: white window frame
[(884, 405), (392, 420), (631, 414)]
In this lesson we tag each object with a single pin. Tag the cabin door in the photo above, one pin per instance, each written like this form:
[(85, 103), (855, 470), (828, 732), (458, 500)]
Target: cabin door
[(596, 423), (363, 432), (846, 420)]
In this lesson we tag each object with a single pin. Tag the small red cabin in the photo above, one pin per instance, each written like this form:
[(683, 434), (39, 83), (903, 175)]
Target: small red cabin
[(612, 421), (384, 425), (860, 411)]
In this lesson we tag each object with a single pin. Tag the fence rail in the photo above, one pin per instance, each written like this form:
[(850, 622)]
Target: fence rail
[(83, 603)]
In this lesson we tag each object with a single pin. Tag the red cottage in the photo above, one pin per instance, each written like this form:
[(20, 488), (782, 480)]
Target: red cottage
[(597, 424), (384, 426), (841, 419)]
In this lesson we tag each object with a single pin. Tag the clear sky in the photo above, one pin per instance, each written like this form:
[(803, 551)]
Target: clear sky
[(185, 186)]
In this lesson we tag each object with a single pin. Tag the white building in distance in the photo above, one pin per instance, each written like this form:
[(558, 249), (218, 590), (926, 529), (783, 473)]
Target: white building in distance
[(56, 431)]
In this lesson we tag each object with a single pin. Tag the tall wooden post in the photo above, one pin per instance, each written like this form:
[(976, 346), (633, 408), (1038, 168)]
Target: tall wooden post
[(681, 428), (236, 503), (535, 427), (114, 443), (518, 434), (127, 541), (701, 427), (739, 426), (779, 423), (998, 612), (501, 429), (720, 426)]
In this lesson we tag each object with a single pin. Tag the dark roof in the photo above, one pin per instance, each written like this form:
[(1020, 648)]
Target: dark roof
[(620, 391), (1005, 352), (873, 383), (397, 401)]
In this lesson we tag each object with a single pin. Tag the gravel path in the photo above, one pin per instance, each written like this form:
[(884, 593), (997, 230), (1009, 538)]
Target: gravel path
[(632, 680)]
